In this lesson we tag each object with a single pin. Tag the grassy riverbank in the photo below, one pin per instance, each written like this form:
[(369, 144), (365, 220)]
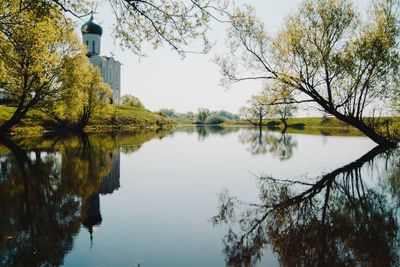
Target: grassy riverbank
[(115, 118), (307, 122), (312, 125)]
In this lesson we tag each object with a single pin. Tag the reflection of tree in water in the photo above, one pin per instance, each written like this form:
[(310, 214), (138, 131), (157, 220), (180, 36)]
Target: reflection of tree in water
[(394, 176), (39, 215), (280, 145), (204, 131), (50, 185), (132, 141), (339, 220), (46, 196)]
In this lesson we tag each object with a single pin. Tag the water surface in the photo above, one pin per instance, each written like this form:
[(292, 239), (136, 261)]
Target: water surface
[(198, 196)]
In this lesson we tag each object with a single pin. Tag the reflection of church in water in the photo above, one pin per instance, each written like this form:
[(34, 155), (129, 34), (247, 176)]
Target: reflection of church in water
[(91, 206)]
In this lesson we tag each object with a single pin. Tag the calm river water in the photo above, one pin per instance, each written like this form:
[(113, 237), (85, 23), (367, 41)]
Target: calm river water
[(199, 196)]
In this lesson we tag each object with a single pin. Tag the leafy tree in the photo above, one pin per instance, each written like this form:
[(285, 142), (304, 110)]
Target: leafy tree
[(32, 50), (131, 101), (279, 98), (215, 120), (83, 92), (188, 115), (168, 112), (171, 113), (255, 111), (97, 94), (202, 115), (328, 55), (225, 114)]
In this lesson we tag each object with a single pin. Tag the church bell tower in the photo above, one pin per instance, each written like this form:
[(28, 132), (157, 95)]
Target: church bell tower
[(110, 69), (91, 36)]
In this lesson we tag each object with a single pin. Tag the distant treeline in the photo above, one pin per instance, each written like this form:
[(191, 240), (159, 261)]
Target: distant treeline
[(192, 116)]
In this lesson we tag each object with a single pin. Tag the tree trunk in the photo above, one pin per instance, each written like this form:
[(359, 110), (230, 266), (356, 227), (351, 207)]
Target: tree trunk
[(367, 130), (285, 125), (16, 118)]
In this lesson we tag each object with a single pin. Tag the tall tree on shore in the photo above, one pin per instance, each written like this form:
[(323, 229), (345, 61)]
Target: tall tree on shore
[(327, 54), (32, 48), (82, 92)]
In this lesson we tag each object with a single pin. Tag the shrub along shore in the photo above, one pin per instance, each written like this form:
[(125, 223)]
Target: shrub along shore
[(110, 119)]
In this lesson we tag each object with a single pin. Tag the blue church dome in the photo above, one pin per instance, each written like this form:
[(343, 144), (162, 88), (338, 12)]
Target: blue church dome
[(91, 27)]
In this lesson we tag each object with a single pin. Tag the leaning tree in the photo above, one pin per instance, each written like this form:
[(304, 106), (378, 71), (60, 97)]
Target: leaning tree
[(329, 54)]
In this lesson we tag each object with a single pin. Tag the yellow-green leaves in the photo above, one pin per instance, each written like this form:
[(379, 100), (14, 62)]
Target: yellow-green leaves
[(32, 50), (327, 53), (43, 64), (81, 88)]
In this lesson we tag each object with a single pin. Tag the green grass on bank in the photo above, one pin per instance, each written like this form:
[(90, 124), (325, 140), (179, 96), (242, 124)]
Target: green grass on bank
[(318, 122), (313, 125), (126, 118), (333, 126), (113, 118)]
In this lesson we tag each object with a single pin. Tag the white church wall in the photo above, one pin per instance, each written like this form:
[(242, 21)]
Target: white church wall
[(111, 73), (92, 42)]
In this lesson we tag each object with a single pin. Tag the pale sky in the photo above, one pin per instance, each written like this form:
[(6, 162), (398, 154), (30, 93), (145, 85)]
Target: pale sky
[(164, 80)]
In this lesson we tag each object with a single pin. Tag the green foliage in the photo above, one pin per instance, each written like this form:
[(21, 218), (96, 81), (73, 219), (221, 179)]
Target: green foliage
[(214, 120), (255, 111), (324, 54), (225, 115), (190, 116), (45, 68), (202, 115), (33, 47), (126, 118), (131, 101), (171, 113), (279, 100), (83, 91), (37, 41)]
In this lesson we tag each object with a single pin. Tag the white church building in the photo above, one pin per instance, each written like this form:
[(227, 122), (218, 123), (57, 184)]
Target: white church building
[(110, 68)]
